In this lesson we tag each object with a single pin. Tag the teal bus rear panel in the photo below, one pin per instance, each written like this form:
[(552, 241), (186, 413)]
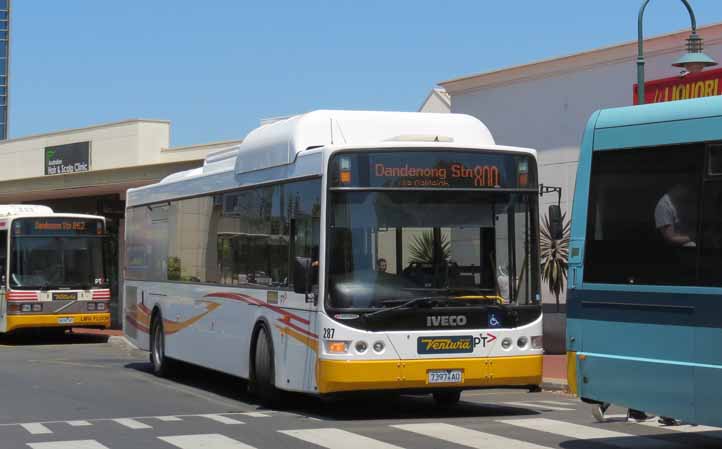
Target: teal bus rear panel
[(644, 305)]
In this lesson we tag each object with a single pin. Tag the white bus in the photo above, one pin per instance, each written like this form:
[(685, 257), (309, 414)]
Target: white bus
[(52, 269), (341, 251)]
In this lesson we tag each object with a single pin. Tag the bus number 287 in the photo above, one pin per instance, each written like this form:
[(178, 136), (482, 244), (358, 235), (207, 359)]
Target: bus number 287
[(328, 333)]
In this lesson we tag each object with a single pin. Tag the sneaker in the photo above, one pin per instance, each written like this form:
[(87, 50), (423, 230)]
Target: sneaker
[(667, 421), (637, 415), (599, 411)]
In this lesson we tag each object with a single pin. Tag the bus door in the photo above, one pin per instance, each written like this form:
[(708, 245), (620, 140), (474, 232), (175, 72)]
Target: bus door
[(3, 280)]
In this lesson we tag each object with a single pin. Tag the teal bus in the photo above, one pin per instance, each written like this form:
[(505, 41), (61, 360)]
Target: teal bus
[(644, 304)]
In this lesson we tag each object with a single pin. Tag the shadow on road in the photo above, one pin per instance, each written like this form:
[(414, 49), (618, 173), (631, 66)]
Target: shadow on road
[(360, 406), (44, 337)]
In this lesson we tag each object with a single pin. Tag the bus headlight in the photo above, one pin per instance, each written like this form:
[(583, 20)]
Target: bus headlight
[(521, 342), (361, 346), (537, 342), (100, 306), (379, 346), (336, 347), (37, 307), (91, 306), (506, 343), (26, 308)]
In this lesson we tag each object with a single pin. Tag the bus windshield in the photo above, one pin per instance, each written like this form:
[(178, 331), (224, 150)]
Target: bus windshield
[(43, 256), (466, 247)]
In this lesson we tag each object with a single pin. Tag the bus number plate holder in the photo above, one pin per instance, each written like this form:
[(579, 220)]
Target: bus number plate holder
[(446, 376)]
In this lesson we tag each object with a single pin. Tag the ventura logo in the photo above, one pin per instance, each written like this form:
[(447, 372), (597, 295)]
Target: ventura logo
[(445, 345), (446, 321)]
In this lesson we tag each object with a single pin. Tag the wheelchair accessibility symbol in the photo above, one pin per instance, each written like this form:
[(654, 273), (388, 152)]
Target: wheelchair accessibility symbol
[(494, 321)]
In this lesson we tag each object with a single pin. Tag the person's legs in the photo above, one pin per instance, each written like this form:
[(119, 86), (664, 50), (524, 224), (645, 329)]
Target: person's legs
[(637, 415), (600, 410), (667, 421)]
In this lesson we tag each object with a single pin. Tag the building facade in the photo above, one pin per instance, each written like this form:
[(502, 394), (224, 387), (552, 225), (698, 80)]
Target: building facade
[(4, 66), (88, 170)]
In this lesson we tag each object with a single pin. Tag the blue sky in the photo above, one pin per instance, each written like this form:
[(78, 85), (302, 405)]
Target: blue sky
[(215, 67)]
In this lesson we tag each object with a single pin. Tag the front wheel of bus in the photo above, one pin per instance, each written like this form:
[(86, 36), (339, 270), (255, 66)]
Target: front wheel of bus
[(446, 398), (157, 348)]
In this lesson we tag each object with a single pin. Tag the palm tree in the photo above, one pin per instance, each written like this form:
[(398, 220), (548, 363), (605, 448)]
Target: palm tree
[(554, 256), (421, 248)]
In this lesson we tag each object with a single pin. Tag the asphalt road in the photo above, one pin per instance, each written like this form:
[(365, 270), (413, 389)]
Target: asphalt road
[(89, 393)]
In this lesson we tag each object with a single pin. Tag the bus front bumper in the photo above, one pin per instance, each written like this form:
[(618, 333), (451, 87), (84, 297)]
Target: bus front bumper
[(101, 320), (353, 375)]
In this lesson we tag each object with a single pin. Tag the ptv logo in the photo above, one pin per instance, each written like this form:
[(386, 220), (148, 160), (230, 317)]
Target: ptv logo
[(484, 339)]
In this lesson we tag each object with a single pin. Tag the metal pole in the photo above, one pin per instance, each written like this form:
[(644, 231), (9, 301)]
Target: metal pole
[(640, 46)]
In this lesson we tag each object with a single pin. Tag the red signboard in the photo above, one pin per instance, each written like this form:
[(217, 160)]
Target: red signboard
[(704, 84)]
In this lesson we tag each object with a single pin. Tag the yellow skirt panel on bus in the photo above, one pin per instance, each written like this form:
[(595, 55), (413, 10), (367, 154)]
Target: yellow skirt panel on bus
[(572, 372), (352, 375), (72, 320)]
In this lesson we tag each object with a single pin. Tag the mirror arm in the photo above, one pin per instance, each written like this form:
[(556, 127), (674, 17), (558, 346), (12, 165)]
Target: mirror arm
[(550, 189)]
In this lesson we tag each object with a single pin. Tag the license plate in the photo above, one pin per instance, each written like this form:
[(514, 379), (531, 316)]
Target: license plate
[(65, 296), (66, 320), (447, 376)]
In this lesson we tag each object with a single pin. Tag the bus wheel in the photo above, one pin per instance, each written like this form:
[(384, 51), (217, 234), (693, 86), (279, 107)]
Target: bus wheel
[(157, 348), (447, 398), (264, 370)]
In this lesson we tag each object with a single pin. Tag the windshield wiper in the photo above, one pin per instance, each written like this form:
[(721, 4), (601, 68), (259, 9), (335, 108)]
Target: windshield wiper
[(410, 302)]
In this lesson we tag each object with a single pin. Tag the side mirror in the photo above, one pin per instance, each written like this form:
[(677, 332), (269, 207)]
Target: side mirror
[(556, 228), (302, 275)]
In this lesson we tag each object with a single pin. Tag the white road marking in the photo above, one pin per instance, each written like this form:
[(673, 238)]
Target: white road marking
[(206, 441), (168, 418), (714, 432), (580, 432), (255, 414), (222, 419), (78, 444), (80, 423), (132, 423), (563, 404), (36, 428), (466, 437), (337, 439), (542, 406)]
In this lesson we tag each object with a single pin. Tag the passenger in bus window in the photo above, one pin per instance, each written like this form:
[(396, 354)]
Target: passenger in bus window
[(381, 265), (675, 216)]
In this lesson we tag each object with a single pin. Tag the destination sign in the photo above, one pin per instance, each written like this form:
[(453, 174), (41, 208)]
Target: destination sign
[(426, 169), (56, 225)]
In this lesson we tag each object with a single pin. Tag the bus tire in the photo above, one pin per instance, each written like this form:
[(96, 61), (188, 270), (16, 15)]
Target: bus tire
[(447, 398), (264, 371), (158, 360)]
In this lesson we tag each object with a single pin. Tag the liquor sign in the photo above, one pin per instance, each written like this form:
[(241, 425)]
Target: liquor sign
[(68, 158), (694, 85)]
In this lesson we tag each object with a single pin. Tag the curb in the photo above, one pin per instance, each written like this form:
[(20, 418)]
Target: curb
[(555, 385), (122, 340)]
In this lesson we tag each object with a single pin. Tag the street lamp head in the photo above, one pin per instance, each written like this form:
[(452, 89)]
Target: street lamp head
[(694, 60)]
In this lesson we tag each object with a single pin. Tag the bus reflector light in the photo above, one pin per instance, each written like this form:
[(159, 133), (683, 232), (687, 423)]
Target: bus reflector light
[(26, 308), (361, 346), (506, 343), (537, 342), (37, 307), (379, 346), (13, 307), (337, 347)]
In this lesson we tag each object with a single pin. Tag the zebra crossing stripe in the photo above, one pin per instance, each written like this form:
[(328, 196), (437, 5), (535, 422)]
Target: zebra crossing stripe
[(78, 444), (80, 423), (466, 437), (540, 406), (206, 441), (168, 418), (579, 432), (714, 432), (222, 419), (132, 423), (36, 428), (563, 404), (255, 414), (332, 438)]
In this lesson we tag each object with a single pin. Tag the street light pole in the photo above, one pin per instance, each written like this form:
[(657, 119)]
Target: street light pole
[(640, 45)]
